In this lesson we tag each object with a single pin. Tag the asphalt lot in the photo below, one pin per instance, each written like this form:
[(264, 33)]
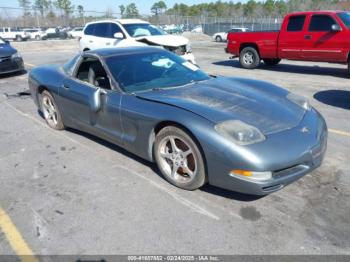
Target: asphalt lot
[(70, 193)]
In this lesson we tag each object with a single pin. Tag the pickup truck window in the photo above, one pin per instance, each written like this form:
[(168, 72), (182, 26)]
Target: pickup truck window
[(296, 23), (321, 23), (345, 17)]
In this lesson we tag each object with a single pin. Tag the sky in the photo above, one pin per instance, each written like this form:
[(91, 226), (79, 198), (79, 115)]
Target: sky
[(101, 5)]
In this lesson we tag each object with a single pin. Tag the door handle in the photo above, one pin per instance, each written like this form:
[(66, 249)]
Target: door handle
[(91, 41), (307, 37), (65, 86), (108, 43)]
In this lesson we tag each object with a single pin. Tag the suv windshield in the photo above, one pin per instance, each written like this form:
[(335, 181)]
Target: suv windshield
[(345, 17), (136, 30), (157, 69)]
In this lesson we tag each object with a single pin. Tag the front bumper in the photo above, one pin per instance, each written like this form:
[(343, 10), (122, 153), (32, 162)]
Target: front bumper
[(289, 155), (189, 57), (9, 65)]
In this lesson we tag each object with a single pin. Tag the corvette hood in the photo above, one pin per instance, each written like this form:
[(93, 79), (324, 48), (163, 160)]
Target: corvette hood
[(6, 50), (164, 40), (260, 104)]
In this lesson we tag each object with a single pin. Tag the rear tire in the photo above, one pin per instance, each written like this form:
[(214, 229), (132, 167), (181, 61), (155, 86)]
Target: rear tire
[(37, 37), (50, 111), (19, 38), (249, 58), (272, 61), (218, 38), (179, 159)]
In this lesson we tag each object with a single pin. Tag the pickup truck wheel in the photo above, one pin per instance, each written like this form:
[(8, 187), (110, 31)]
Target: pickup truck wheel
[(271, 61), (19, 38), (249, 58), (218, 39)]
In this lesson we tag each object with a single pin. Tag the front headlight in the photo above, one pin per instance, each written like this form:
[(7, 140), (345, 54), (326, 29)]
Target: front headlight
[(188, 48), (299, 100), (16, 55), (239, 132)]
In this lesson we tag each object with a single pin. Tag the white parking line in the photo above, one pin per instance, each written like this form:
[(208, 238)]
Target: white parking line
[(177, 197)]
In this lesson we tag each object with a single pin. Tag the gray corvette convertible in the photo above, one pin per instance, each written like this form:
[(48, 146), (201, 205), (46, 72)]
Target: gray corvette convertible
[(234, 133)]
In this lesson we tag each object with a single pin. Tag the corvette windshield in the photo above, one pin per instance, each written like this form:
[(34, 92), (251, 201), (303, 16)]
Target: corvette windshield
[(137, 30), (153, 70), (345, 17)]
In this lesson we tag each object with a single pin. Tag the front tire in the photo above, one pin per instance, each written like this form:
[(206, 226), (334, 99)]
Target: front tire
[(218, 38), (19, 38), (272, 61), (50, 111), (179, 159), (249, 58)]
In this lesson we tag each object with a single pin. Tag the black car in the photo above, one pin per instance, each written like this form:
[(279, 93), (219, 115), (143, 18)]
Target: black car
[(54, 34), (10, 60)]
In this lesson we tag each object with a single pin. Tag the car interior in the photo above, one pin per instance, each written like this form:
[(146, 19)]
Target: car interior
[(92, 71)]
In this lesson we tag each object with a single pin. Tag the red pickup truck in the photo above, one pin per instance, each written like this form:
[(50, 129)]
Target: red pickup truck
[(322, 36)]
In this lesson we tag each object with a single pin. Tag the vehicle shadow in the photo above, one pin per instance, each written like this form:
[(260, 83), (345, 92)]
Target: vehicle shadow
[(311, 69), (207, 188), (229, 194), (336, 98), (8, 75)]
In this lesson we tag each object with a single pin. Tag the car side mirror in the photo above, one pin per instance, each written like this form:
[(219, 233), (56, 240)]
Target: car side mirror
[(118, 35), (336, 28), (95, 100)]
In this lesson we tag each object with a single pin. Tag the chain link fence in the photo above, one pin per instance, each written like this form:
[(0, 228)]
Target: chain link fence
[(20, 18)]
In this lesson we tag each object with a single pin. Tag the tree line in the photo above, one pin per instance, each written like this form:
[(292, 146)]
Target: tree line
[(250, 8)]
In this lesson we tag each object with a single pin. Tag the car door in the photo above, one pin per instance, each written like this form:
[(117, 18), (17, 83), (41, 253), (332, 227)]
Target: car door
[(93, 108), (76, 95), (321, 42), (291, 37), (101, 33)]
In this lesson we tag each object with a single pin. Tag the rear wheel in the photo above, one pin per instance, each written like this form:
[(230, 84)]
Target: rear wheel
[(249, 58), (37, 37), (271, 61), (50, 111), (19, 38), (218, 38), (179, 159)]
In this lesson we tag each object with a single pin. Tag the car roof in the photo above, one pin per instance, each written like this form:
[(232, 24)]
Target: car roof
[(110, 52), (121, 21), (316, 12)]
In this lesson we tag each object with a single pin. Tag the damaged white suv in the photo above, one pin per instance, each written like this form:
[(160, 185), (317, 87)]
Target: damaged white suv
[(132, 32)]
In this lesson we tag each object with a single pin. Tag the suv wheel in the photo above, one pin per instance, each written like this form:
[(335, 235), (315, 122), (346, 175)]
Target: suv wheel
[(218, 39), (249, 58)]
